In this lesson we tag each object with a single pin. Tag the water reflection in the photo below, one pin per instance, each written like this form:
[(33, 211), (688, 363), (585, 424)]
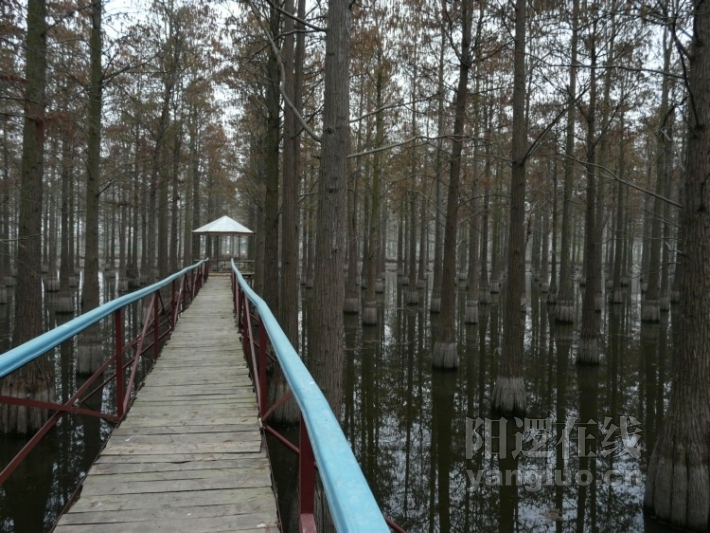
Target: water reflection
[(35, 494), (407, 423)]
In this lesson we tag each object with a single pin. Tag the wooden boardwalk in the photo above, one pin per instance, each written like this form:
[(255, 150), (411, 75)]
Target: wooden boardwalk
[(189, 456)]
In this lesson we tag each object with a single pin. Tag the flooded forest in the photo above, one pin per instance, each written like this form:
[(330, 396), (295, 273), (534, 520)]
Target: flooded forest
[(482, 225)]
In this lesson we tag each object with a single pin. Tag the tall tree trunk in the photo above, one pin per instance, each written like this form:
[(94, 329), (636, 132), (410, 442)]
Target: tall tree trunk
[(588, 350), (89, 356), (564, 310), (552, 292), (34, 380), (175, 200), (435, 303), (369, 264), (288, 412), (293, 60), (471, 313), (650, 307), (617, 295), (90, 292), (445, 349), (326, 325), (352, 290), (509, 390), (678, 482), (195, 176), (545, 243), (271, 175), (413, 294), (423, 240), (64, 302), (665, 296)]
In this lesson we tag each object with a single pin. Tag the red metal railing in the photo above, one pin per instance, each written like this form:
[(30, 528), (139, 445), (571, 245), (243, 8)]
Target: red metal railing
[(158, 322), (259, 358)]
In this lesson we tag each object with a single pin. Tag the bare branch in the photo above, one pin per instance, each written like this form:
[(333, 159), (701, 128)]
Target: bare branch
[(282, 89)]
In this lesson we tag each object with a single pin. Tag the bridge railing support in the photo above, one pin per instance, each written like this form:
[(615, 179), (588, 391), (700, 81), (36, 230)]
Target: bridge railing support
[(323, 448), (158, 322)]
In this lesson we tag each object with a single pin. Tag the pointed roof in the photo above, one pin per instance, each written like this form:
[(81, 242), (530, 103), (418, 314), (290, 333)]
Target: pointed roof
[(223, 226)]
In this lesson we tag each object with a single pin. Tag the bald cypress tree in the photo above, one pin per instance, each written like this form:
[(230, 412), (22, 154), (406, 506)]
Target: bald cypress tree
[(678, 482)]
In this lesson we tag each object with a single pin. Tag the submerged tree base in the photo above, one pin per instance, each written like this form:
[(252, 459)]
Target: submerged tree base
[(552, 297), (369, 314), (413, 297), (509, 396), (564, 313), (650, 311), (286, 414), (617, 296), (598, 302), (678, 482), (445, 355), (351, 306), (90, 354), (664, 304), (22, 420), (471, 312), (63, 303), (588, 351)]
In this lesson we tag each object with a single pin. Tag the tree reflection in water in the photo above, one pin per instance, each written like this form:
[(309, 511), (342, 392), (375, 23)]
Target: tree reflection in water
[(35, 494), (407, 423)]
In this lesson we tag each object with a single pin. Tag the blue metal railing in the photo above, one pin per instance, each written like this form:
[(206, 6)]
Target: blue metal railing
[(32, 349), (352, 506), (158, 316)]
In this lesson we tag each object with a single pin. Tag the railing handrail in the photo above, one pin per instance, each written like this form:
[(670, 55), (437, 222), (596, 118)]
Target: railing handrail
[(352, 505), (34, 348)]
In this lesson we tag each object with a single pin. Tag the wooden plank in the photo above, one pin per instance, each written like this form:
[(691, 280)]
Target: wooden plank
[(178, 457), (249, 499), (190, 455), (197, 526), (185, 469), (124, 484)]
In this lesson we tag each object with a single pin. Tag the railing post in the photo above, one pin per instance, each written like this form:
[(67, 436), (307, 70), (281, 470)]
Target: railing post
[(237, 302), (306, 480), (262, 368), (118, 321), (173, 304), (156, 327)]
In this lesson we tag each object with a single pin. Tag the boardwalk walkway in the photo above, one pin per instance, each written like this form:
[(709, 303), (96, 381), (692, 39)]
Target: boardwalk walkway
[(189, 456)]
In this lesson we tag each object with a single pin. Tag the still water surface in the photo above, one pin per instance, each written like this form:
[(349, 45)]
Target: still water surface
[(35, 494), (408, 425)]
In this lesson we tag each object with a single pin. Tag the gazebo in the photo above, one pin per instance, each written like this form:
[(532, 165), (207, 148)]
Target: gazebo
[(225, 227)]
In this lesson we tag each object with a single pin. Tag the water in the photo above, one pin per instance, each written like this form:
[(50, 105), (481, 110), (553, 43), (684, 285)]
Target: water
[(35, 494), (407, 424)]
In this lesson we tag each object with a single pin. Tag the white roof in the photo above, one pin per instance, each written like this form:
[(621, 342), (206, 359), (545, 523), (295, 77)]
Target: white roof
[(223, 226)]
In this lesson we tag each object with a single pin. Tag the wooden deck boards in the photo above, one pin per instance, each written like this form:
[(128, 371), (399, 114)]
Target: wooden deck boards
[(189, 456)]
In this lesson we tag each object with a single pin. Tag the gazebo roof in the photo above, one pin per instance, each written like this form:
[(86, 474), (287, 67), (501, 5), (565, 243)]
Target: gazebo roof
[(223, 226)]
